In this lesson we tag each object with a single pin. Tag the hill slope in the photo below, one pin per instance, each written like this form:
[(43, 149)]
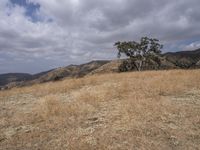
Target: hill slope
[(71, 71), (184, 59), (171, 60), (139, 110), (13, 77)]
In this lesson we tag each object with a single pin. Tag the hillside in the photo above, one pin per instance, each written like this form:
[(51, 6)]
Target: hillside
[(13, 77), (171, 60), (137, 110), (71, 71), (184, 59)]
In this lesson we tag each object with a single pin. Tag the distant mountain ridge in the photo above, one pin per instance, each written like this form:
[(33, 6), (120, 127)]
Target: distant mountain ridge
[(10, 80), (184, 59), (170, 60), (13, 77)]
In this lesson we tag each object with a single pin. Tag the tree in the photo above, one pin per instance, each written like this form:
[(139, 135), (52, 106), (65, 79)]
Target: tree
[(139, 52)]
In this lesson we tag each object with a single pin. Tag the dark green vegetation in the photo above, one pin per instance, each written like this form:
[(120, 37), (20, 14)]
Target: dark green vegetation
[(139, 53)]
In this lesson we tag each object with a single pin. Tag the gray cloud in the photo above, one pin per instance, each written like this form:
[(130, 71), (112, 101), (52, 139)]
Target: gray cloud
[(77, 31)]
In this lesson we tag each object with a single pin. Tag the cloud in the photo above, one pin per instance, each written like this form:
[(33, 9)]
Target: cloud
[(75, 31), (192, 46)]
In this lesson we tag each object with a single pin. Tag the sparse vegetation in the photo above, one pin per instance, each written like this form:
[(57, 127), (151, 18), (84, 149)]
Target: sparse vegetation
[(139, 110)]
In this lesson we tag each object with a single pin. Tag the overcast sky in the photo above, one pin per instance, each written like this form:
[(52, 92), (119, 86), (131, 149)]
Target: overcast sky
[(37, 35)]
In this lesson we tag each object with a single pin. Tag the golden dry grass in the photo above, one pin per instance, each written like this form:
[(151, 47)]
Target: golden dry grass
[(138, 110)]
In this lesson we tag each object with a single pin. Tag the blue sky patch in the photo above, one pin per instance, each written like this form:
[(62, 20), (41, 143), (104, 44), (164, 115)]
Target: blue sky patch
[(31, 8)]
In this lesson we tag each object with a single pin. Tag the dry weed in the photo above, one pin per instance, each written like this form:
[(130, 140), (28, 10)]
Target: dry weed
[(138, 110)]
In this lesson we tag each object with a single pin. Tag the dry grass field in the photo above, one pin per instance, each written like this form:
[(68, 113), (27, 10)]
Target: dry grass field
[(127, 111)]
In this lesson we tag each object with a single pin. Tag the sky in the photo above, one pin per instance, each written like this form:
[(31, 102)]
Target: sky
[(38, 35)]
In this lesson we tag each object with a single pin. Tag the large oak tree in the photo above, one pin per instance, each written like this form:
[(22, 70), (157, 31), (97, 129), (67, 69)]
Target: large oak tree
[(139, 52)]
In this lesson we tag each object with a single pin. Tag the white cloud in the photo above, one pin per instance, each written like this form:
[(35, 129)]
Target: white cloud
[(76, 31), (192, 46)]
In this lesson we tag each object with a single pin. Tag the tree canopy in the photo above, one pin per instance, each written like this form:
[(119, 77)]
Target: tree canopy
[(139, 52)]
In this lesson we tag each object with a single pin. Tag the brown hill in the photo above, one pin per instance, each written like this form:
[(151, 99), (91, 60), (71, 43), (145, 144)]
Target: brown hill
[(170, 60), (109, 67), (71, 71), (184, 59)]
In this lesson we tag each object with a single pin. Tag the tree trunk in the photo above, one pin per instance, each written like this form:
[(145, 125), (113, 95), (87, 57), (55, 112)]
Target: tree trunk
[(138, 64)]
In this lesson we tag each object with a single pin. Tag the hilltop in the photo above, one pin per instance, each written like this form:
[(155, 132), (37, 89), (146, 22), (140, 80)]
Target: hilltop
[(170, 60), (71, 71), (137, 110)]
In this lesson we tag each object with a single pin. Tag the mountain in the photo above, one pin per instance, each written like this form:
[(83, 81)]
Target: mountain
[(184, 59), (13, 77), (71, 71), (170, 60)]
